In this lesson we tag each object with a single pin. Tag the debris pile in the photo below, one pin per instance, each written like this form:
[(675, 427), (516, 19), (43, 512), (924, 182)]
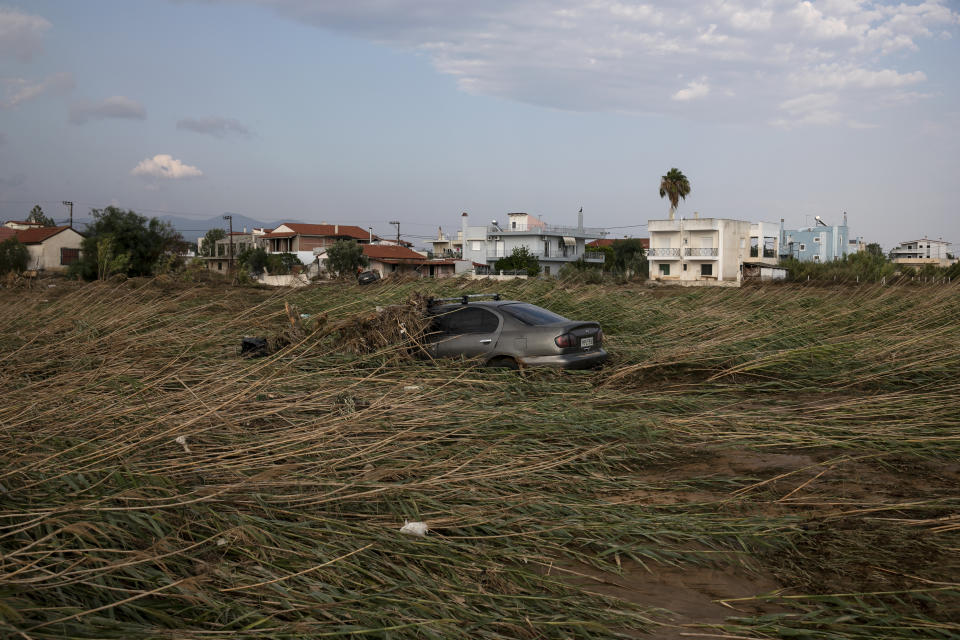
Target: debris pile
[(361, 333)]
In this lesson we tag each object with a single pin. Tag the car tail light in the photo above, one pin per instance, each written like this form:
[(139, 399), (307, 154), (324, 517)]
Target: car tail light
[(566, 340), (599, 336)]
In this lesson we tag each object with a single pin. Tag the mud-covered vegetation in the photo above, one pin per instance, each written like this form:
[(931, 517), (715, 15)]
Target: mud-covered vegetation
[(768, 462)]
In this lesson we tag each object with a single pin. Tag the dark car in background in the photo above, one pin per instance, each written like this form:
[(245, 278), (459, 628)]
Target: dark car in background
[(368, 277), (512, 334)]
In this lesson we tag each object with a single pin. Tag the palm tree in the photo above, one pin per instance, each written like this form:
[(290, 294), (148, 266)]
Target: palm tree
[(675, 186)]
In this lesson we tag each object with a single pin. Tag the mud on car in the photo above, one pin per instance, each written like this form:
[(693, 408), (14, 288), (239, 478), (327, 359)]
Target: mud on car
[(511, 333)]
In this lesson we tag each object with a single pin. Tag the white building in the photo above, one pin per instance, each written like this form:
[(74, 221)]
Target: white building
[(49, 248), (917, 253), (553, 245), (709, 251)]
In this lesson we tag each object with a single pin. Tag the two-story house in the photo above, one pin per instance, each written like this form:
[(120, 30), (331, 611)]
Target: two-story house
[(709, 251), (553, 245), (918, 253), (819, 243)]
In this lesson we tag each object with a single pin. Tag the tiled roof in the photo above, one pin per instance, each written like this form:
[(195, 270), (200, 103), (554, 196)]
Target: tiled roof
[(7, 232), (35, 236), (608, 242), (341, 230), (390, 251), (281, 234)]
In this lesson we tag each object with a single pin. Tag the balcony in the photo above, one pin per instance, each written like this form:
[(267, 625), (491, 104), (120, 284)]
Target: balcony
[(663, 252), (701, 252), (547, 230)]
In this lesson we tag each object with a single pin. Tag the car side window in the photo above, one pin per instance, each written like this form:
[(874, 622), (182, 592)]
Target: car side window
[(469, 320)]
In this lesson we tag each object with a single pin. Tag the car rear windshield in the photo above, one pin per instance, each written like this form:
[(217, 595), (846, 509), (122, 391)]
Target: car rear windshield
[(532, 314)]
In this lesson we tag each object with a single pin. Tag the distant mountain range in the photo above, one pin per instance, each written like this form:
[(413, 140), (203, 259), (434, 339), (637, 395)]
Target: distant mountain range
[(193, 228)]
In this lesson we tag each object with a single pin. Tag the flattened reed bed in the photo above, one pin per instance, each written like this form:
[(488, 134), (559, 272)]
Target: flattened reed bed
[(278, 513)]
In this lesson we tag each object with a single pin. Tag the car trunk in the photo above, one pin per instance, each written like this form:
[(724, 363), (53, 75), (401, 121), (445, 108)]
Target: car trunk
[(586, 336)]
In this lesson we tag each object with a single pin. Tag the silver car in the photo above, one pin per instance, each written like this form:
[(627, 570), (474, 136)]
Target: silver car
[(512, 334)]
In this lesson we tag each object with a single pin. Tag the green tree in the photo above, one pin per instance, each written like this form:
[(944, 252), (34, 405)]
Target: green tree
[(13, 256), (674, 186), (37, 215), (144, 241), (874, 249), (208, 246), (607, 256), (519, 260), (629, 257), (344, 257), (253, 260)]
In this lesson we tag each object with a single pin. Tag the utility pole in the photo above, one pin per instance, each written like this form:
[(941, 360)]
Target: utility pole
[(69, 204), (397, 222), (230, 235)]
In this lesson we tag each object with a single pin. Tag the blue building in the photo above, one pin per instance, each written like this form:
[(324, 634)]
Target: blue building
[(820, 243)]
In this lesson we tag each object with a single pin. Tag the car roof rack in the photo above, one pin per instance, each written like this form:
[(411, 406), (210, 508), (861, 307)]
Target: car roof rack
[(465, 299)]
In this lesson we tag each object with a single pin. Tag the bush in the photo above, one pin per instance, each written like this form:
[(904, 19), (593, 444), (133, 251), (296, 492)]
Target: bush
[(14, 256), (862, 267), (581, 271), (519, 260)]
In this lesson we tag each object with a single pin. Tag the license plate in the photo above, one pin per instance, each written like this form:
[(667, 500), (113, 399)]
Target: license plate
[(586, 342)]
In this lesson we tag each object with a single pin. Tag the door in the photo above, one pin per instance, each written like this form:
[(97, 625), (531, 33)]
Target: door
[(500, 249), (467, 331)]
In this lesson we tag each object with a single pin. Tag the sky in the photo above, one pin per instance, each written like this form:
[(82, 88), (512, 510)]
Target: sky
[(368, 111)]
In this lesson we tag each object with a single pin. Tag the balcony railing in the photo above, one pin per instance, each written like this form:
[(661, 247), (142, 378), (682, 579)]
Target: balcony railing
[(701, 252), (665, 252), (548, 229)]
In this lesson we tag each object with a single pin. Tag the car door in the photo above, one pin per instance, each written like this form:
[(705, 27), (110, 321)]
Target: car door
[(467, 331)]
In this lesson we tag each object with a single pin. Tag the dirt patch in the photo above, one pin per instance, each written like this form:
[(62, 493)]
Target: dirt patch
[(683, 595)]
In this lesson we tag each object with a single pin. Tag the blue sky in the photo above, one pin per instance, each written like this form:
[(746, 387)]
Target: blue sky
[(377, 110)]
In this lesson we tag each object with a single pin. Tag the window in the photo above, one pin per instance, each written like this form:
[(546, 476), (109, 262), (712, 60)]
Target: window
[(817, 239), (532, 314), (513, 225), (468, 320), (476, 245), (803, 247), (219, 266), (664, 269), (706, 269), (69, 256), (684, 266)]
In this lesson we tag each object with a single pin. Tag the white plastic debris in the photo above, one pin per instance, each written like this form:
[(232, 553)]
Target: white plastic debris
[(412, 387), (414, 528), (221, 542), (182, 440)]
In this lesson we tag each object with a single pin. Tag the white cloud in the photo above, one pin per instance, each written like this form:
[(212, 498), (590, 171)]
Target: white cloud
[(835, 76), (21, 34), (617, 55), (214, 125), (695, 89), (112, 107), (19, 90), (166, 167)]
